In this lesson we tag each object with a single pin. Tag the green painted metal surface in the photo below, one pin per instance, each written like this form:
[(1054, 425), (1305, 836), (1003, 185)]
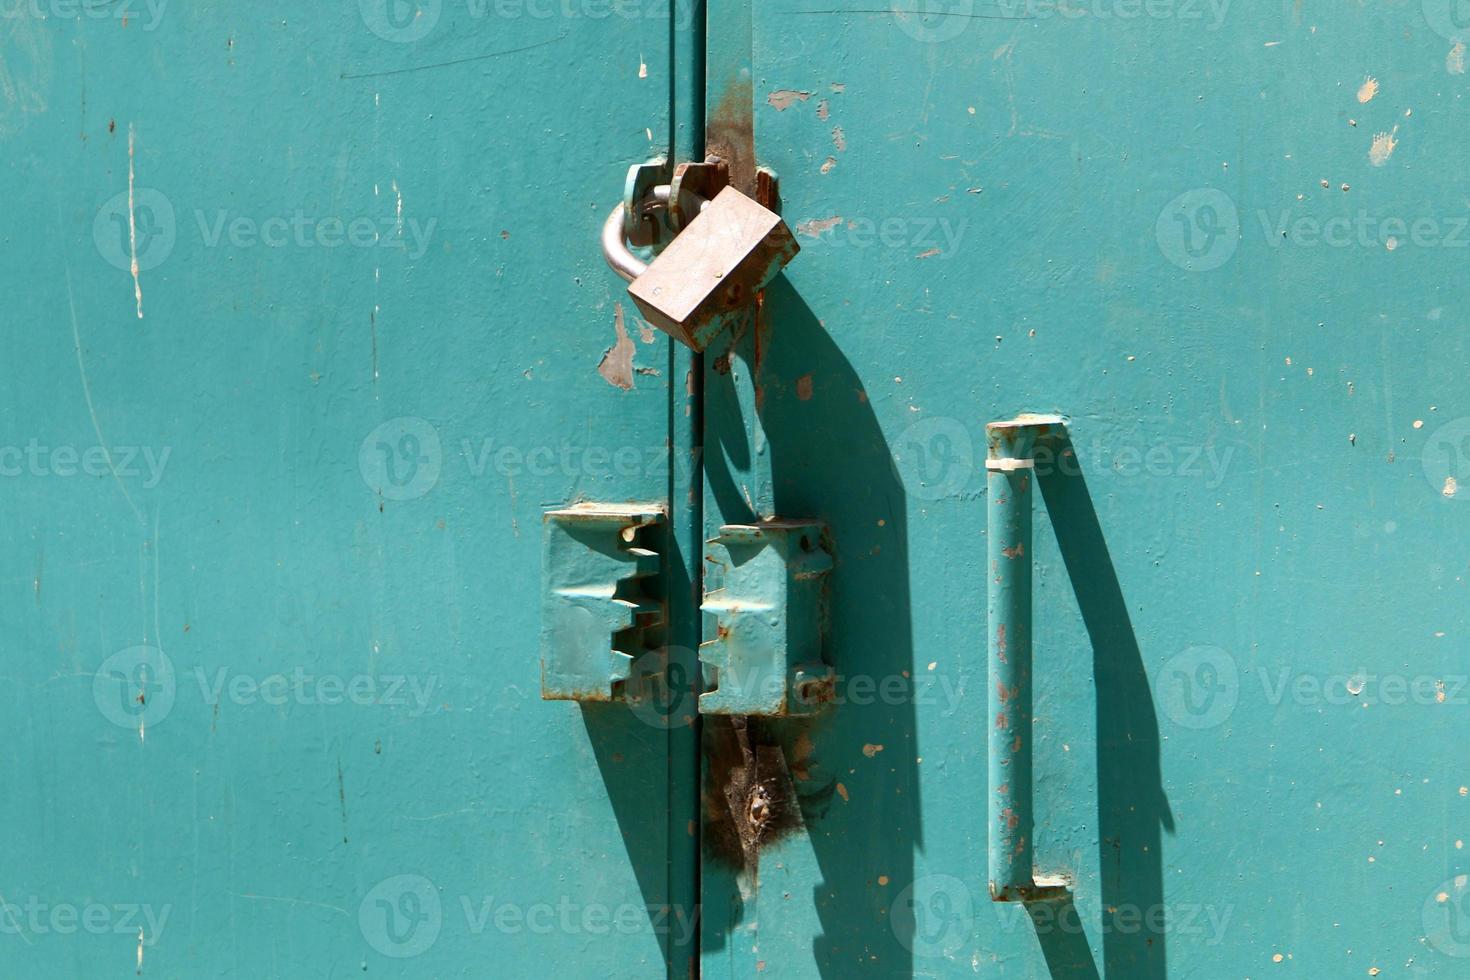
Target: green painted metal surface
[(1179, 226), (307, 328), (270, 660)]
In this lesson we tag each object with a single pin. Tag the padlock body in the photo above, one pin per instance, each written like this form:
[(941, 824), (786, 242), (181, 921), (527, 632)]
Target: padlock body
[(709, 274)]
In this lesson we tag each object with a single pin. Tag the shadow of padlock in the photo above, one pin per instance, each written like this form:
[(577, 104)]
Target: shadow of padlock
[(709, 274)]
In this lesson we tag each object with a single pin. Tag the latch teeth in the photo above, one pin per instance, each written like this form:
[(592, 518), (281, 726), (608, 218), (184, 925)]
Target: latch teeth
[(600, 607)]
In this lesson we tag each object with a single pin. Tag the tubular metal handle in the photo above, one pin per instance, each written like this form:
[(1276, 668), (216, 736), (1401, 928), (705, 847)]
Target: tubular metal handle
[(620, 258), (1009, 481)]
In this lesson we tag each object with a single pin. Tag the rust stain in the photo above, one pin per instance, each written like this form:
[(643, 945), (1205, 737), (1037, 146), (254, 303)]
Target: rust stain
[(730, 134), (1016, 551), (804, 387)]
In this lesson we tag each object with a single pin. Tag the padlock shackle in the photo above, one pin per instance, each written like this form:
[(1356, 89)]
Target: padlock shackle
[(620, 258)]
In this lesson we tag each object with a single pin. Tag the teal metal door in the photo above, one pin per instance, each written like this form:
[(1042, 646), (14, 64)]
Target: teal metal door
[(1226, 245), (304, 333), (309, 330)]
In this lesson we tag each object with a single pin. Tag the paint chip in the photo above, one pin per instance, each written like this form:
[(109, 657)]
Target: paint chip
[(1454, 62), (842, 792), (1368, 90), (616, 366), (804, 387), (785, 98), (871, 750), (1383, 146), (815, 227)]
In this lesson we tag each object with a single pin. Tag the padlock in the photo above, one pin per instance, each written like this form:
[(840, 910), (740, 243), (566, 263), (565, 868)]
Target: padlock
[(710, 272)]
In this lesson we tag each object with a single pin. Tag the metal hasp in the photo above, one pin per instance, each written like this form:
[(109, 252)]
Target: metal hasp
[(1009, 481), (767, 595), (709, 275), (598, 607)]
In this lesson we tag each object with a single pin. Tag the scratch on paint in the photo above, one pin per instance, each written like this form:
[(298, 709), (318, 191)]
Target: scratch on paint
[(133, 221), (76, 339), (616, 366)]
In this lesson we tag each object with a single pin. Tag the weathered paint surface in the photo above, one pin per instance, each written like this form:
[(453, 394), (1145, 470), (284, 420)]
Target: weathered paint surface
[(1250, 595), (270, 660)]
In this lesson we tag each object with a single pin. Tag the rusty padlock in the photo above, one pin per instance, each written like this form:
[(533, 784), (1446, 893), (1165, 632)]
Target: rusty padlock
[(711, 270)]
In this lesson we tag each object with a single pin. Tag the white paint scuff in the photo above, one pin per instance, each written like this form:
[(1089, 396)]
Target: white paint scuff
[(133, 221), (1383, 146)]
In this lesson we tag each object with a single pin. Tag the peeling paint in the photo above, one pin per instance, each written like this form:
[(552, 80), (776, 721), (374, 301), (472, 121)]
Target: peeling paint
[(1368, 90), (815, 227), (616, 366), (839, 138), (785, 98), (1383, 146)]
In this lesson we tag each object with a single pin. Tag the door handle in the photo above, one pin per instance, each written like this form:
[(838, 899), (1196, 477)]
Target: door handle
[(1010, 477)]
